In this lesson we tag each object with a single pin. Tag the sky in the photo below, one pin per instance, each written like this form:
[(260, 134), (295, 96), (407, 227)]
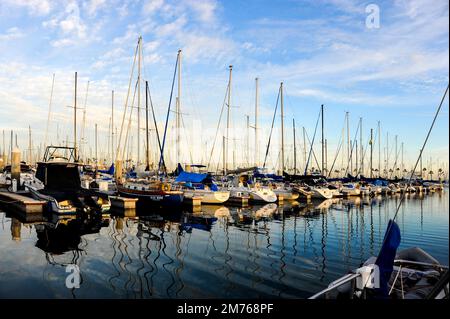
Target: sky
[(323, 51)]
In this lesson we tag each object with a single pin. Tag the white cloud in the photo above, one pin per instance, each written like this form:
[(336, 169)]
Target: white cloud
[(94, 5), (11, 34), (205, 10), (34, 7), (152, 6)]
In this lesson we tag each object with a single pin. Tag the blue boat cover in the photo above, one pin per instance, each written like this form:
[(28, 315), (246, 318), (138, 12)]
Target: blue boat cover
[(191, 177), (110, 171), (385, 259)]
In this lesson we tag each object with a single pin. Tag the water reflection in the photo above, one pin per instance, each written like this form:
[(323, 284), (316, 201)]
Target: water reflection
[(289, 250)]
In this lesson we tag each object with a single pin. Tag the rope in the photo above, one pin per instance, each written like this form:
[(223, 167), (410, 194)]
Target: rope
[(161, 159), (417, 162), (338, 150), (312, 144), (271, 129), (218, 125)]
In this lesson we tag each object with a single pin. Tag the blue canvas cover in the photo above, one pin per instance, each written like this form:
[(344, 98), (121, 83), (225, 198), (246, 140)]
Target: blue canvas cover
[(385, 259), (191, 177), (110, 171)]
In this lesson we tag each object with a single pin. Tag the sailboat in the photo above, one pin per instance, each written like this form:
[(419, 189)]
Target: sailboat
[(154, 190), (201, 185)]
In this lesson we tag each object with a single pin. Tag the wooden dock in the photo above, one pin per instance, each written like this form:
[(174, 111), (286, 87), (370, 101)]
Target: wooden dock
[(22, 203)]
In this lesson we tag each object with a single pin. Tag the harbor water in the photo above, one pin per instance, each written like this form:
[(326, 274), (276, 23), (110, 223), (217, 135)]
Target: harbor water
[(274, 251)]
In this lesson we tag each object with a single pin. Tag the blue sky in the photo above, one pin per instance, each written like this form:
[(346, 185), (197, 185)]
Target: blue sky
[(321, 50)]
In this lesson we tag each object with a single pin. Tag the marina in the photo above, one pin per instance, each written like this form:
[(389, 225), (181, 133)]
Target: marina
[(168, 157), (271, 251)]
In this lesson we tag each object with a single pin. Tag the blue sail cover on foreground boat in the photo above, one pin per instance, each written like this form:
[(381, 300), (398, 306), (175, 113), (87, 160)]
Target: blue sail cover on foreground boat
[(385, 259)]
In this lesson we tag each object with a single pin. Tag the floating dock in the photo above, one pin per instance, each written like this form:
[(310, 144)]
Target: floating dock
[(22, 203)]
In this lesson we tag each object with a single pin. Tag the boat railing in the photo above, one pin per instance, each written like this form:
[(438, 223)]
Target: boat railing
[(335, 284), (418, 263)]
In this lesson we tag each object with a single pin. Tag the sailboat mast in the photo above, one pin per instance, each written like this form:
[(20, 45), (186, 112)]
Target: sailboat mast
[(228, 120), (29, 145), (323, 141), (256, 123), (282, 127), (139, 102), (402, 164), (49, 110), (396, 156), (82, 137), (295, 147), (379, 149), (178, 107), (387, 154), (304, 147), (348, 143), (75, 120), (96, 145), (371, 153), (147, 157), (112, 126), (361, 157)]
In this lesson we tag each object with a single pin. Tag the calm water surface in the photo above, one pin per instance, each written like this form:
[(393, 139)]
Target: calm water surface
[(290, 251)]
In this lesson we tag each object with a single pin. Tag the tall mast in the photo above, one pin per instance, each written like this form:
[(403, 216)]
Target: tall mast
[(83, 127), (247, 147), (96, 144), (402, 165), (139, 101), (228, 120), (326, 156), (49, 110), (387, 154), (396, 156), (282, 127), (75, 119), (256, 123), (29, 144), (379, 149), (323, 141), (178, 108), (295, 147), (304, 147), (371, 152), (361, 158), (356, 156), (421, 166), (349, 157), (147, 155), (112, 125)]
